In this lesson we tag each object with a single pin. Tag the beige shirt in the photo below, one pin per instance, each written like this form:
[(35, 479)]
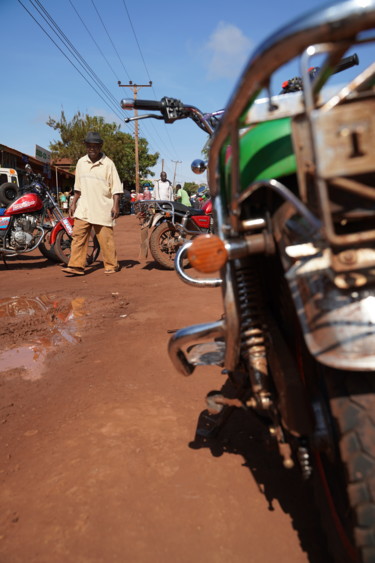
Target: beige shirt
[(97, 182)]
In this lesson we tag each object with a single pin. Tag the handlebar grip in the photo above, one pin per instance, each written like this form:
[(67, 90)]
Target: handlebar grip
[(129, 103), (347, 62)]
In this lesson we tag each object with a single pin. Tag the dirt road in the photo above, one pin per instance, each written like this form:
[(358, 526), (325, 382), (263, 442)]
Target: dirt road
[(99, 461)]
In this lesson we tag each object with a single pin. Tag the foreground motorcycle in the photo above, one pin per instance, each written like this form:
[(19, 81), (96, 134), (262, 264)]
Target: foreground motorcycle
[(33, 220), (292, 177), (166, 225)]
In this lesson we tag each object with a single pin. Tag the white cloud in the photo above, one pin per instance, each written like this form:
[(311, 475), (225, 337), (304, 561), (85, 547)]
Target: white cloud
[(228, 50)]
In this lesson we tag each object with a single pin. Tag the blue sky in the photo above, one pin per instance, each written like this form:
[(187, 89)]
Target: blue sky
[(192, 51)]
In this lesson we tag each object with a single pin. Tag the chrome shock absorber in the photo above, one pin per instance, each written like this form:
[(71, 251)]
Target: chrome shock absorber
[(253, 330), (254, 349)]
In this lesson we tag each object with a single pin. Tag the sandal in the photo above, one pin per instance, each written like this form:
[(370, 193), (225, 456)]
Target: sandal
[(73, 271)]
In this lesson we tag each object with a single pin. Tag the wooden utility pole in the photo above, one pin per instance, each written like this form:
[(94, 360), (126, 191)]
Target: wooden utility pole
[(135, 88), (175, 168)]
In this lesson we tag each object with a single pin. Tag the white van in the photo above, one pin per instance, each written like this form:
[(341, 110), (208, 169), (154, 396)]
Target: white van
[(9, 185)]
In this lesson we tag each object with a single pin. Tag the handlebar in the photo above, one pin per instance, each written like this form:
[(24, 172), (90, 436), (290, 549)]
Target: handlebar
[(171, 109), (296, 84)]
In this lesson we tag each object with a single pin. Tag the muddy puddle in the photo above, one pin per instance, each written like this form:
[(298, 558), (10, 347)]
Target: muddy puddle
[(42, 323)]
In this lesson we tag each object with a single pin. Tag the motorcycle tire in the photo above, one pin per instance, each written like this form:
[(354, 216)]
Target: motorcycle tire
[(344, 479), (164, 245), (63, 243), (47, 250), (8, 193)]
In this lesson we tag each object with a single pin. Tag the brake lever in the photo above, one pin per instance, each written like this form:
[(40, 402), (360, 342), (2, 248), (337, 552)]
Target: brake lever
[(146, 116)]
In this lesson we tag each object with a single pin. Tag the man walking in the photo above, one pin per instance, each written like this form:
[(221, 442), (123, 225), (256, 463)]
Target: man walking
[(163, 189), (96, 203)]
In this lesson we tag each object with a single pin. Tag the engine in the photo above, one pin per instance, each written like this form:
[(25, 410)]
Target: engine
[(21, 235)]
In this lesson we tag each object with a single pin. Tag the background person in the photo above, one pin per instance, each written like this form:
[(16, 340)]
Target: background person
[(163, 188), (96, 204), (182, 196)]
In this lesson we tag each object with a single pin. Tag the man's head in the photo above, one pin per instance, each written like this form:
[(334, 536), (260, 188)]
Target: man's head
[(178, 186), (94, 143), (163, 176)]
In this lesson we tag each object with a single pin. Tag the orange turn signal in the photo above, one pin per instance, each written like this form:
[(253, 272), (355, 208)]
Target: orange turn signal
[(207, 253)]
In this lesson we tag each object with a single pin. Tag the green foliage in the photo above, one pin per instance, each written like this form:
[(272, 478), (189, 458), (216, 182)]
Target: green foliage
[(190, 187), (118, 146)]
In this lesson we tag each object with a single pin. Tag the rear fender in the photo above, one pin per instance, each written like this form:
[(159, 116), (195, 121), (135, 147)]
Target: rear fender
[(157, 218)]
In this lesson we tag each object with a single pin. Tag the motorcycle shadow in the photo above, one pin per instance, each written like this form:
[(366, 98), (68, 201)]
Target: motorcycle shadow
[(154, 266), (245, 434), (26, 262), (126, 264)]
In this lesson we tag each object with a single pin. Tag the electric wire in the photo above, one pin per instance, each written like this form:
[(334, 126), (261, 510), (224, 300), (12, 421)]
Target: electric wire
[(148, 74), (131, 124), (67, 57), (80, 60), (109, 37), (77, 56), (94, 40)]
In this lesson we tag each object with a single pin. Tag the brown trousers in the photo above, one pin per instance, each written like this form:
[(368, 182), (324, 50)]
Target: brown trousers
[(81, 235)]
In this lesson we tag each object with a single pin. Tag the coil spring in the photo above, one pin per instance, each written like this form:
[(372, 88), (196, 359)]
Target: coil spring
[(253, 326)]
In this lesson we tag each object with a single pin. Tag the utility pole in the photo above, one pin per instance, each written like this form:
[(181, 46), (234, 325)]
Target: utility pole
[(175, 168), (135, 88)]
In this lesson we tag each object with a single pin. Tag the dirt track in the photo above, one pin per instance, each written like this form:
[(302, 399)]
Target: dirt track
[(99, 461)]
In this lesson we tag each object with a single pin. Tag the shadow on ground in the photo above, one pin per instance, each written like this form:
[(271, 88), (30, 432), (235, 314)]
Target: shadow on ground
[(244, 434)]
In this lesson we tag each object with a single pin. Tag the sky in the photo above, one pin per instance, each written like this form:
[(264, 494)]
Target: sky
[(192, 51)]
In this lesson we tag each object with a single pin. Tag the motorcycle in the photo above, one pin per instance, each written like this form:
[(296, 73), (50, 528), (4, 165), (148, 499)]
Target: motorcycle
[(33, 220), (166, 225), (292, 181)]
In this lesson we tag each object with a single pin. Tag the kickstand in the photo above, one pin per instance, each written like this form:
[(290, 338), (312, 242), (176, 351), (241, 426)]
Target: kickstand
[(4, 261)]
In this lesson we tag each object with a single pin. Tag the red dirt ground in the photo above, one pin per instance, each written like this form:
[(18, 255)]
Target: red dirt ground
[(99, 461)]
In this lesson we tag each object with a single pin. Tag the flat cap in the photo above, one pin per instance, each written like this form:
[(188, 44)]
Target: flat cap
[(93, 137)]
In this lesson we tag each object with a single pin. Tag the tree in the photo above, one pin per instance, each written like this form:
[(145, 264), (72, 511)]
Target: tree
[(190, 187), (119, 146)]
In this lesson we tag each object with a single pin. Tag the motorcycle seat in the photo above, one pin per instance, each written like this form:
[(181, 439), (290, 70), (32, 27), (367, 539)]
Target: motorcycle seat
[(180, 207), (185, 209)]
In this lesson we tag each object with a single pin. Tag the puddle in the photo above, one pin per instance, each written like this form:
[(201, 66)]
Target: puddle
[(55, 322)]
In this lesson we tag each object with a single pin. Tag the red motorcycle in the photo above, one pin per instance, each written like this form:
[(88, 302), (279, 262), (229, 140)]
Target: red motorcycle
[(167, 225), (34, 221)]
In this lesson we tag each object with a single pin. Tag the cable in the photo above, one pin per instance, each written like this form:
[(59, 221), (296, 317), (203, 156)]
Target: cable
[(148, 74), (92, 37), (109, 37), (66, 56), (71, 49)]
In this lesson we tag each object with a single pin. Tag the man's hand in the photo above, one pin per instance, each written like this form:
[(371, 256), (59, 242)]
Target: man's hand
[(116, 206), (72, 208), (115, 211)]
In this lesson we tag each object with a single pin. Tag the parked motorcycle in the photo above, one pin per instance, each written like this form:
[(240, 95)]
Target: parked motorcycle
[(292, 181), (166, 225), (33, 220)]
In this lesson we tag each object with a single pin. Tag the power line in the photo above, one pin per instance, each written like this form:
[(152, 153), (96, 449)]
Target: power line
[(78, 56), (148, 74), (92, 37), (109, 37), (110, 101), (66, 56)]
